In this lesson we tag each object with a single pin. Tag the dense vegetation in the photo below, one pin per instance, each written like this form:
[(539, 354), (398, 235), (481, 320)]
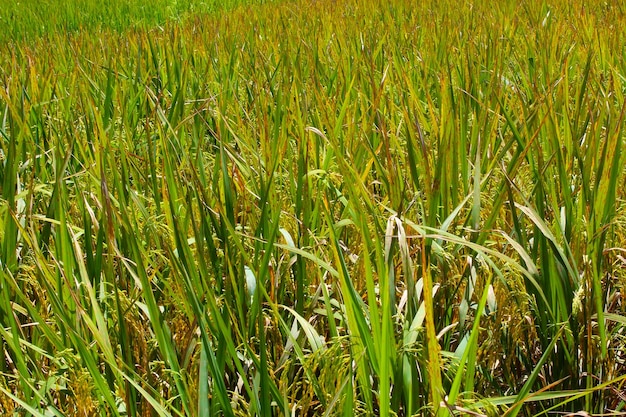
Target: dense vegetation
[(25, 20), (377, 207)]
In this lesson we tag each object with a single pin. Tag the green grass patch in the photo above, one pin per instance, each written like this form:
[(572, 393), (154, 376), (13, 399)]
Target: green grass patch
[(27, 20)]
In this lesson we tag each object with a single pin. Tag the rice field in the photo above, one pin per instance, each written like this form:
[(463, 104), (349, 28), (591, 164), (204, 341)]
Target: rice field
[(312, 208)]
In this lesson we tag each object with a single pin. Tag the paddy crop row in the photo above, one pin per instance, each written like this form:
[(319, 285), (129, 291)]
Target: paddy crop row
[(316, 208)]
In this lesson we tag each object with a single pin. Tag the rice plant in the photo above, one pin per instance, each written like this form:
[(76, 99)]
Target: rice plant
[(312, 208)]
